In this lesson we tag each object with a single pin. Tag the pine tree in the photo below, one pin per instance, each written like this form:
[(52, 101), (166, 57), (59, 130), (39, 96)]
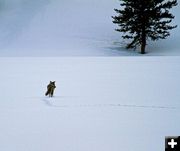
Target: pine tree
[(141, 20)]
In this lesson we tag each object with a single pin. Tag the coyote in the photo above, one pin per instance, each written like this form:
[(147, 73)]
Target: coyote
[(50, 89)]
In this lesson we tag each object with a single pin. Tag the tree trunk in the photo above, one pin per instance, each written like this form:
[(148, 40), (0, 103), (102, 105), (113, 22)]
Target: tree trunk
[(143, 47), (143, 40), (143, 27)]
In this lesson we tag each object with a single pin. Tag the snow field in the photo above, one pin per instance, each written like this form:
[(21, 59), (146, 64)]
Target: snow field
[(100, 103)]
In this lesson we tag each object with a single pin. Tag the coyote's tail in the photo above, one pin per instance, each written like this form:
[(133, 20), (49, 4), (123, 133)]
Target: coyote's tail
[(46, 93)]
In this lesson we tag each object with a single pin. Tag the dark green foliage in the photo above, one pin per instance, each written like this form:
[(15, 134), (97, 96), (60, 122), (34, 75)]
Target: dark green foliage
[(141, 20)]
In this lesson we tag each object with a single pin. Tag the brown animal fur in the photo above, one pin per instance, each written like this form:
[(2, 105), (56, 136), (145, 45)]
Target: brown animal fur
[(50, 89)]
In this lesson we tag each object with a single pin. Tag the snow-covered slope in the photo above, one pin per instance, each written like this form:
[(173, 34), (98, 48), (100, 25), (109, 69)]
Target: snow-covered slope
[(100, 104), (68, 28)]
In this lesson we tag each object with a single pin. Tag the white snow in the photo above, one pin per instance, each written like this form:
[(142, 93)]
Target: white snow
[(100, 103), (69, 28)]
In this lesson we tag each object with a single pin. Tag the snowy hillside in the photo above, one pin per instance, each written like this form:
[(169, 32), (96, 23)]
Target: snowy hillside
[(68, 28), (100, 104)]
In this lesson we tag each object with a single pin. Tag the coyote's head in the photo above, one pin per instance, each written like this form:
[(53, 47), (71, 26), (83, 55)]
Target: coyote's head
[(52, 82)]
